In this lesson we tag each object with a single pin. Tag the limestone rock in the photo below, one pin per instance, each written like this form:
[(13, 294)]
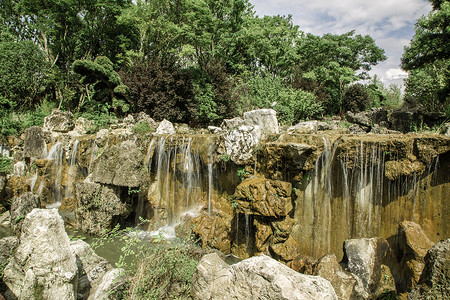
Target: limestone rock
[(214, 232), (98, 206), (143, 117), (303, 264), (413, 244), (43, 265), (214, 129), (434, 282), (112, 285), (368, 118), (309, 127), (363, 258), (91, 269), (120, 165), (394, 169), (239, 143), (402, 120), (345, 284), (20, 207), (288, 250), (82, 125), (59, 121), (445, 129), (19, 169), (264, 118), (263, 232), (34, 143), (7, 247), (259, 277), (358, 129), (260, 196), (165, 127), (230, 124)]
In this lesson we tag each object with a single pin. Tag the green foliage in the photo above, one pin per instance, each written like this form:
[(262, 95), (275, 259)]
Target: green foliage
[(6, 165), (427, 59), (291, 105), (224, 157), (356, 98), (241, 173), (142, 128)]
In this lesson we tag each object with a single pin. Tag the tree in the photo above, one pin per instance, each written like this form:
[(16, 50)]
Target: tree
[(427, 59)]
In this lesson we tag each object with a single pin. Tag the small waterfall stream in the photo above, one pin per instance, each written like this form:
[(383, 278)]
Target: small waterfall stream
[(56, 154), (71, 171)]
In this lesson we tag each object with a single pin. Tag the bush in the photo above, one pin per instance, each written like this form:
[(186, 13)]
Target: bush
[(142, 128), (6, 165), (355, 98)]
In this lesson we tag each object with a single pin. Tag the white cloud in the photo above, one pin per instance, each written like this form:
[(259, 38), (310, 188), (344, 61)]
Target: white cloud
[(393, 74)]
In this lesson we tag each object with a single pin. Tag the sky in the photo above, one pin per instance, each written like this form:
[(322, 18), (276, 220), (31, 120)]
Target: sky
[(389, 22)]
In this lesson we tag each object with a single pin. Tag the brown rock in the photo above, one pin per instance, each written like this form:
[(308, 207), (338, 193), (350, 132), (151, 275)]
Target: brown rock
[(413, 244), (214, 232), (282, 229), (288, 250), (303, 264), (262, 235), (260, 196)]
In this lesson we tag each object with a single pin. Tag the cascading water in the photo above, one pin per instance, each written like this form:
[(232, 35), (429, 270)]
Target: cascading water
[(71, 171), (56, 156)]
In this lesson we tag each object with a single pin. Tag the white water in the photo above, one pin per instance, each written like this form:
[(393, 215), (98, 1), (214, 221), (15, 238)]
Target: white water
[(56, 155), (71, 171)]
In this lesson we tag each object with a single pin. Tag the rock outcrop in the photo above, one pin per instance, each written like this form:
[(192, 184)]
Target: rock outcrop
[(239, 143), (34, 143), (44, 265), (266, 119), (59, 121), (99, 206), (20, 207), (259, 277), (165, 127), (120, 166)]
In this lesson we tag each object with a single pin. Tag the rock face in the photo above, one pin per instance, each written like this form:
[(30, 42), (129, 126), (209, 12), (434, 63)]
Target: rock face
[(59, 121), (20, 207), (213, 231), (260, 196), (363, 258), (413, 244), (98, 206), (230, 124), (112, 285), (91, 269), (34, 143), (120, 165), (309, 127), (264, 118), (434, 282), (7, 247), (259, 277), (239, 143), (369, 117), (165, 127), (44, 265), (345, 284)]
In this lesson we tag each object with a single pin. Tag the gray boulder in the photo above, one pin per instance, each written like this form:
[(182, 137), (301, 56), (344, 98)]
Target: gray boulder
[(445, 129), (230, 124), (165, 127), (98, 206), (120, 165), (309, 127), (434, 282), (43, 265), (59, 121), (143, 117), (266, 119), (240, 143), (369, 117), (113, 284), (91, 269), (7, 247), (20, 207), (34, 143), (259, 277), (363, 258), (82, 125)]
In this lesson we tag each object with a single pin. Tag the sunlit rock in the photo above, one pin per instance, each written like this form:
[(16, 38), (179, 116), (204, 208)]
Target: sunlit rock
[(259, 277), (309, 127), (34, 143), (165, 127), (20, 207), (59, 121), (239, 144), (266, 119)]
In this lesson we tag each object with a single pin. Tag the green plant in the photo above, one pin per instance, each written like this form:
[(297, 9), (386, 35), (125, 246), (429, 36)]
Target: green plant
[(224, 157), (133, 190), (6, 165), (241, 173), (142, 128)]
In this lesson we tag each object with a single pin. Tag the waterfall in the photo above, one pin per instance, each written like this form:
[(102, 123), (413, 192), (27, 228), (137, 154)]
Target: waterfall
[(93, 156), (71, 171), (210, 183), (56, 156)]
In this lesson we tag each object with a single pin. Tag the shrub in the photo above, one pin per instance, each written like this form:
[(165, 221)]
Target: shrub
[(6, 165), (142, 128), (355, 98)]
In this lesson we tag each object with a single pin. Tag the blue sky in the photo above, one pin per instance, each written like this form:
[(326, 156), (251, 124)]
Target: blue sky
[(389, 22)]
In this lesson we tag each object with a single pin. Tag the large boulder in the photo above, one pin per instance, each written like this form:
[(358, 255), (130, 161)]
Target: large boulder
[(99, 207), (259, 277), (413, 245), (165, 127), (91, 269), (239, 143), (7, 247), (20, 207), (309, 127), (113, 284), (266, 119), (345, 284), (264, 197), (286, 251), (434, 282), (34, 143), (59, 121), (120, 165), (214, 231), (43, 265), (368, 118), (230, 124), (363, 257)]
